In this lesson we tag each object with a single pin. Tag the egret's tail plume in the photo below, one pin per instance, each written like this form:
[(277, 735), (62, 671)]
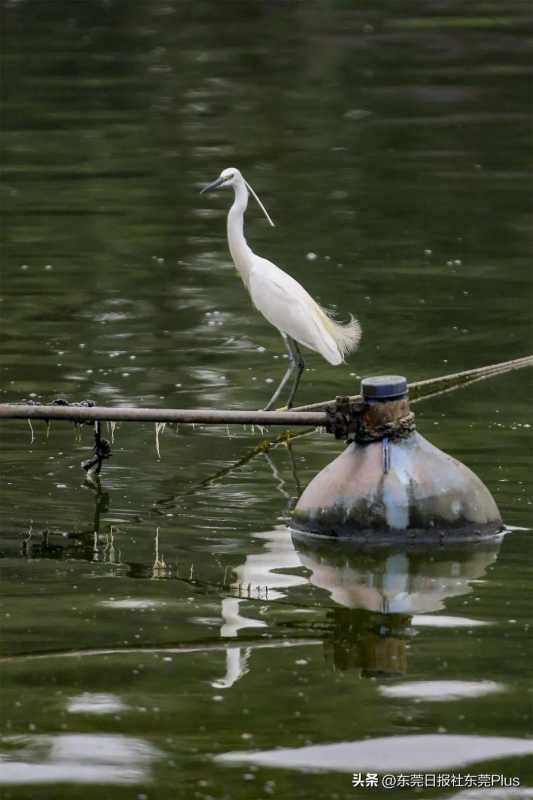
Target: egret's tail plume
[(346, 336)]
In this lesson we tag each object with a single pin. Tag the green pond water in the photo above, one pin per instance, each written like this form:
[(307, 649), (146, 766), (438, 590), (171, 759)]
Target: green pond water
[(167, 636)]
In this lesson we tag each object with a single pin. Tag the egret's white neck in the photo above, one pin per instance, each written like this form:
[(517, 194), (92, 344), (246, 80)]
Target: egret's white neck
[(240, 252)]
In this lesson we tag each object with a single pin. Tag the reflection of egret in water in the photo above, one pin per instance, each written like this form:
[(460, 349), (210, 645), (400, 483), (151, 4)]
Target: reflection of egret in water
[(256, 579), (378, 590)]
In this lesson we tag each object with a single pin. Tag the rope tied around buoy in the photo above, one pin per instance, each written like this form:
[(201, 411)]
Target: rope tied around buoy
[(356, 421), (397, 429)]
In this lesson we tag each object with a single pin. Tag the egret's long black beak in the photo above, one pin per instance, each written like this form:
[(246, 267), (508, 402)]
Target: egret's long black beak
[(213, 185)]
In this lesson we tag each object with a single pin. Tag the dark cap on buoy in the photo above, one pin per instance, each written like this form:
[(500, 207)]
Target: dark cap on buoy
[(384, 387)]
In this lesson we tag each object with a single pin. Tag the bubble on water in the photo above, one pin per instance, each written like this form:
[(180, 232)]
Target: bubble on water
[(428, 252), (357, 113), (48, 267), (261, 349), (311, 256), (269, 380), (24, 267)]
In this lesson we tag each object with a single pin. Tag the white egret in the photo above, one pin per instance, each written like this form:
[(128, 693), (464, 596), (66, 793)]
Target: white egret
[(281, 299)]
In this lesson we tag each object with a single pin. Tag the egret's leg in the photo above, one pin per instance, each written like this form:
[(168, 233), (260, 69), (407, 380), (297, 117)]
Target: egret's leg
[(298, 368), (290, 371), (274, 399)]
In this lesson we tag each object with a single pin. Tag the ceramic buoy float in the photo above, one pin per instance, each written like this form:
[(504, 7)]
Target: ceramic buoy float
[(391, 483)]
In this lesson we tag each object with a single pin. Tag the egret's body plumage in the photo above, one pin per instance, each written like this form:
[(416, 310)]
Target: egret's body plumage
[(279, 297), (292, 310)]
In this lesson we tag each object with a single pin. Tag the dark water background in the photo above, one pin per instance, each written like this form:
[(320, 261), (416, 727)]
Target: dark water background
[(172, 619)]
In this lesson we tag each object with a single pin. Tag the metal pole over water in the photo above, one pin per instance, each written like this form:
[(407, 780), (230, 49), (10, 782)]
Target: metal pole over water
[(314, 415)]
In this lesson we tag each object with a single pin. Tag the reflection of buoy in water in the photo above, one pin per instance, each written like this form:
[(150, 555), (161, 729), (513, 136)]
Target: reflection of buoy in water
[(362, 642), (391, 483), (412, 579), (379, 592)]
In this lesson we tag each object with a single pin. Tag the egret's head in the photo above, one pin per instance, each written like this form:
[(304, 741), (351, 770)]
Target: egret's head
[(232, 177), (228, 177)]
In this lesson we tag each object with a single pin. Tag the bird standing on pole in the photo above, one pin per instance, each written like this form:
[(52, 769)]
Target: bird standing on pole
[(281, 299)]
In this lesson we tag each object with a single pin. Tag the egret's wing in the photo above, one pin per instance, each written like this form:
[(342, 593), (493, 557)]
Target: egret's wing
[(291, 309)]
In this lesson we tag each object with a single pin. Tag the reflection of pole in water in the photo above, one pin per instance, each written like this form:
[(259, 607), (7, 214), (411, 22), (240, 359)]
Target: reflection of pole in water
[(109, 549), (101, 506), (160, 568), (89, 539), (26, 542)]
